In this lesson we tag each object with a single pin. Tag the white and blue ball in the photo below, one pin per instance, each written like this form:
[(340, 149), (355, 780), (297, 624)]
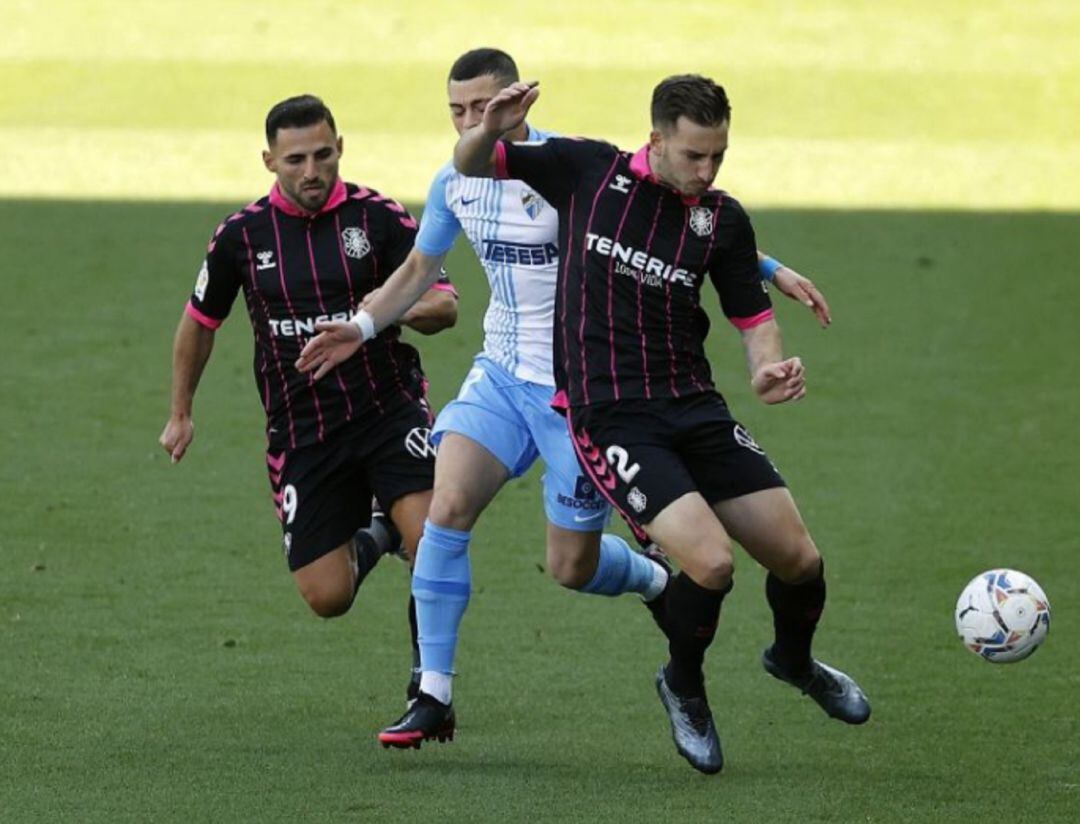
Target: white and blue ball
[(1003, 615)]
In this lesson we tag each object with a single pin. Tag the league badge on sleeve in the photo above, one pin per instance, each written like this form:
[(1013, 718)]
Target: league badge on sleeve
[(202, 281), (701, 221)]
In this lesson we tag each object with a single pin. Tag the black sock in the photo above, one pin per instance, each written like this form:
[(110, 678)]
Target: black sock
[(367, 555), (692, 615), (796, 610), (386, 536), (414, 634)]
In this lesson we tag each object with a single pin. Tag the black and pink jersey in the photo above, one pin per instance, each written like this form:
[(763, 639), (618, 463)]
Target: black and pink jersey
[(296, 269), (634, 253)]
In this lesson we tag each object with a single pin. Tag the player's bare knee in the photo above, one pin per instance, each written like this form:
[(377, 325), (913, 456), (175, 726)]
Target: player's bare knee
[(802, 566), (712, 571), (718, 573), (452, 507)]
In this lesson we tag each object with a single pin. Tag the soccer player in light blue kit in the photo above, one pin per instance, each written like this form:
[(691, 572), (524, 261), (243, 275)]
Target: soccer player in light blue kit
[(501, 420)]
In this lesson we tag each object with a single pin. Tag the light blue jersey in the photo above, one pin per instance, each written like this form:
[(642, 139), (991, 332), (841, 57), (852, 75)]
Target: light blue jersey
[(514, 232)]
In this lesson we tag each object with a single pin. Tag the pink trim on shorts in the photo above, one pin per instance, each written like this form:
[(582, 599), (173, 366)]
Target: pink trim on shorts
[(589, 456)]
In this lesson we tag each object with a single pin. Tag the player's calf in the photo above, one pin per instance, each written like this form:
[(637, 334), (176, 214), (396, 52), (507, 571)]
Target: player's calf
[(328, 584), (602, 564), (327, 602), (407, 515), (572, 557)]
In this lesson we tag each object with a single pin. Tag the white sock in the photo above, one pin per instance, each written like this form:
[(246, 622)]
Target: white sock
[(437, 685), (659, 581)]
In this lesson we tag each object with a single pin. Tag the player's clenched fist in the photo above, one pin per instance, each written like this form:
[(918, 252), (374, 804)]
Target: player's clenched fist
[(176, 436), (780, 382)]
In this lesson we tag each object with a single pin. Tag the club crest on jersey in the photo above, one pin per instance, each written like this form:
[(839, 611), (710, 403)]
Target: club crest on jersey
[(701, 221), (266, 260), (532, 203), (356, 242)]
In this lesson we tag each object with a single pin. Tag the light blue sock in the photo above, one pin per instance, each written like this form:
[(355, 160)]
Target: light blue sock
[(620, 569), (441, 586)]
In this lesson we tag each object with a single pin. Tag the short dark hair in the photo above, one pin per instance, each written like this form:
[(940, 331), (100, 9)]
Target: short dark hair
[(296, 112), (481, 62), (692, 96)]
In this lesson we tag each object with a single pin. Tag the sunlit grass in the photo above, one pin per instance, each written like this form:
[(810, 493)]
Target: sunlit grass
[(846, 104)]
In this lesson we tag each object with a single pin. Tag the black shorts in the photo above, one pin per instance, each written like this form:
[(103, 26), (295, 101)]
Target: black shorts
[(645, 454), (323, 492)]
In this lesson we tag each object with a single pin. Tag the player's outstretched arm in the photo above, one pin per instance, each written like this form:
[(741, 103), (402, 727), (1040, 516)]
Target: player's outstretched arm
[(773, 378), (796, 287), (474, 154), (338, 341), (191, 350), (433, 311)]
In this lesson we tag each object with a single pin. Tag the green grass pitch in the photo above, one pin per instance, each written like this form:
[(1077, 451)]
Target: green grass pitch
[(156, 663)]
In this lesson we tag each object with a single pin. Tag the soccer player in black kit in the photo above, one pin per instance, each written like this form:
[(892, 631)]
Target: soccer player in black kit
[(309, 251), (638, 234)]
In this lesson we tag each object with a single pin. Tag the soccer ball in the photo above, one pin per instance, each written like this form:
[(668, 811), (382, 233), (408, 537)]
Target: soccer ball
[(1003, 615)]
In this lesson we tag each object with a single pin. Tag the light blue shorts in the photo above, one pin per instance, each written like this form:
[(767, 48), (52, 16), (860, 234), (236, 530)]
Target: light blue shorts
[(513, 420)]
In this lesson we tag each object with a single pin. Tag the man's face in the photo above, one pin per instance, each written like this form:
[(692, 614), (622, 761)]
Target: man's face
[(469, 98), (305, 160), (688, 157)]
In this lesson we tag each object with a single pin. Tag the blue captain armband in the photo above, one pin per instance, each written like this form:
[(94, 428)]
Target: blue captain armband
[(768, 266)]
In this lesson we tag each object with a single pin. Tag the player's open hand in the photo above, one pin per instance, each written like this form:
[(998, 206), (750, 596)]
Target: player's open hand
[(802, 289), (176, 436), (337, 341), (507, 109), (780, 382)]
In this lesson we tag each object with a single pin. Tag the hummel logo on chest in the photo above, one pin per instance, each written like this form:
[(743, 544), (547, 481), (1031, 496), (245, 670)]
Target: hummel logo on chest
[(266, 260), (621, 184)]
